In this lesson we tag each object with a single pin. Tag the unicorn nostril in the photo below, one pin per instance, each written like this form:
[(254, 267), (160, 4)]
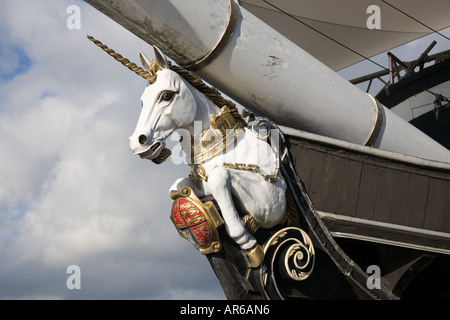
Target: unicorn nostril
[(142, 139)]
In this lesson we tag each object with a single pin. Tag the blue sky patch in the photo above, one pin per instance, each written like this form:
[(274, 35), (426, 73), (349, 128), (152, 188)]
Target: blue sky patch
[(13, 61)]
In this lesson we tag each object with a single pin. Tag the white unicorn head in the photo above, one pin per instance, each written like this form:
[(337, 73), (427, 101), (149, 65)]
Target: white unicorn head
[(168, 104)]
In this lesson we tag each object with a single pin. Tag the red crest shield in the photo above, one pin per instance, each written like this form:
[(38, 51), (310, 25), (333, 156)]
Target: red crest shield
[(192, 222), (196, 221)]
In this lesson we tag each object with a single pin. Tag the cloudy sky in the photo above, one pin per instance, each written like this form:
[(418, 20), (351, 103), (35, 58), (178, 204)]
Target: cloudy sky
[(71, 192)]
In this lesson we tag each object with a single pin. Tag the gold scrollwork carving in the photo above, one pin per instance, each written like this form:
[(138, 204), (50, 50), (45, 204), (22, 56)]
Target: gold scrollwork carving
[(298, 260), (288, 256)]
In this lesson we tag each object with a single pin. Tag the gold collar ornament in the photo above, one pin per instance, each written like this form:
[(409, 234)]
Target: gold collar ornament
[(224, 130)]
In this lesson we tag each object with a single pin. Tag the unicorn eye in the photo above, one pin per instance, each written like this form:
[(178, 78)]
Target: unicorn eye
[(167, 96)]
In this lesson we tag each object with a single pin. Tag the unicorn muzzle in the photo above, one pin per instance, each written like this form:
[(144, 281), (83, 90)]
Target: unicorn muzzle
[(151, 152), (146, 151), (156, 152)]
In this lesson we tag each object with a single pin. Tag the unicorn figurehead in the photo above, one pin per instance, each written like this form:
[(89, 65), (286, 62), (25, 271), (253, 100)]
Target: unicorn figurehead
[(241, 182)]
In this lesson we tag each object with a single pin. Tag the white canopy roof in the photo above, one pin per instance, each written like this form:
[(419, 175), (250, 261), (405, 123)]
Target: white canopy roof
[(336, 32)]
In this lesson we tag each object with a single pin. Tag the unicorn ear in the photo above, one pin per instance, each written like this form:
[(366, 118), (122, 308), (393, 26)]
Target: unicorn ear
[(161, 58), (144, 61)]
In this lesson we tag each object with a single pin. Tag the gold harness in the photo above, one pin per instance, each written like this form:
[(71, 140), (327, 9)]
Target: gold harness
[(225, 128)]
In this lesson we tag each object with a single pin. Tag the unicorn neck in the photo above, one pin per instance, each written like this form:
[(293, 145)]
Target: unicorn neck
[(210, 129), (224, 129), (202, 119)]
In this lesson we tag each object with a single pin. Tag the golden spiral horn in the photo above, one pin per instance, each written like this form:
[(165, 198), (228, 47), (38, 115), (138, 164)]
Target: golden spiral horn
[(127, 63)]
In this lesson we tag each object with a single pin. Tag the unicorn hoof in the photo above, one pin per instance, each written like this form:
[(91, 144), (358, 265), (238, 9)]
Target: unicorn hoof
[(254, 256)]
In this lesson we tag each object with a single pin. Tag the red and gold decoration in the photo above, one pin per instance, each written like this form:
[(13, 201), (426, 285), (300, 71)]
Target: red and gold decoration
[(196, 221)]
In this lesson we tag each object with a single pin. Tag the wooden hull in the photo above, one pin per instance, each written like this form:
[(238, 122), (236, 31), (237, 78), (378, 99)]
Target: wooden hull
[(376, 197), (382, 209)]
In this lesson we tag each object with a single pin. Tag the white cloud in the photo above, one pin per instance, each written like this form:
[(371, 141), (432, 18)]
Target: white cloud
[(71, 191)]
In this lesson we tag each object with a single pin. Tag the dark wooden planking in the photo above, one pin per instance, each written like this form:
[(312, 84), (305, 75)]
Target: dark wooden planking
[(436, 205), (350, 188), (384, 196), (368, 187), (334, 182), (316, 185), (400, 203), (302, 162), (418, 197), (446, 216), (367, 192)]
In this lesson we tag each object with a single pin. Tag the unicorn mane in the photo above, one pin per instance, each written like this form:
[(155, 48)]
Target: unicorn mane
[(210, 92)]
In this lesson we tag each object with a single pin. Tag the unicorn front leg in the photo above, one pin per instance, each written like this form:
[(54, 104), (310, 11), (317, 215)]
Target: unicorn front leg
[(219, 184)]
